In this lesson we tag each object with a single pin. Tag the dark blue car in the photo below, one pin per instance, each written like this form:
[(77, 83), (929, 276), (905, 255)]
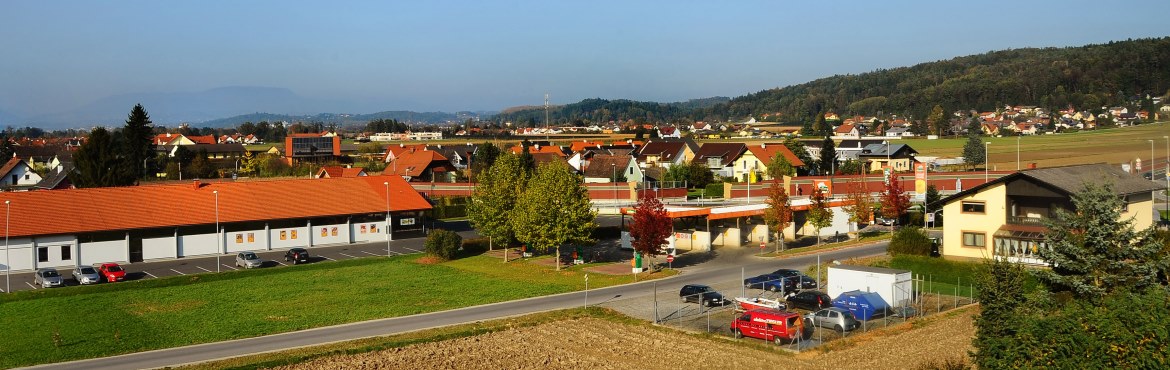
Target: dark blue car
[(772, 282)]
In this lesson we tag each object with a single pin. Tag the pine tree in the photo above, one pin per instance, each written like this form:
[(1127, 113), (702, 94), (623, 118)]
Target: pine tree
[(136, 142), (1094, 251), (828, 160), (485, 155), (97, 162)]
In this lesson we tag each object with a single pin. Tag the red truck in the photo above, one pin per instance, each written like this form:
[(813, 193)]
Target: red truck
[(768, 324), (111, 272)]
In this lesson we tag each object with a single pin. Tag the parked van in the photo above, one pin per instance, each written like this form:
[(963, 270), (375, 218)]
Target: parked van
[(767, 324)]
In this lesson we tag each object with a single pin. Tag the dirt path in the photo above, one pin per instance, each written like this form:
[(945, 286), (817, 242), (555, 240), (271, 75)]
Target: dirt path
[(600, 344)]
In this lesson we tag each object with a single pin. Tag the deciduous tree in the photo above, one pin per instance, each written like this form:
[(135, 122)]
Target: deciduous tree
[(936, 120), (859, 204), (780, 167), (554, 210), (494, 202), (778, 215), (973, 152), (819, 213), (894, 199), (651, 226), (484, 157)]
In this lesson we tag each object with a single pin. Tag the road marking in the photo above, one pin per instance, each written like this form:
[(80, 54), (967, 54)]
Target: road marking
[(411, 249), (2, 291), (230, 267), (30, 284), (281, 263), (343, 254), (328, 258), (372, 254), (201, 268), (177, 272), (150, 274)]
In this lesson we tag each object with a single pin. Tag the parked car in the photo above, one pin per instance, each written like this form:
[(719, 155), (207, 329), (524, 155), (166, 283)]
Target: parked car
[(86, 275), (772, 282), (838, 319), (48, 278), (787, 272), (248, 260), (770, 325), (111, 272), (807, 282), (296, 255), (701, 294), (809, 300), (886, 221)]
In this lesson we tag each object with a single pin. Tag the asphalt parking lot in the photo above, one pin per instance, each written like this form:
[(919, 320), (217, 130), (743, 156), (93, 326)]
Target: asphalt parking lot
[(210, 264)]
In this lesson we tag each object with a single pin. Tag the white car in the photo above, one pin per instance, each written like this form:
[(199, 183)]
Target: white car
[(248, 260), (86, 275)]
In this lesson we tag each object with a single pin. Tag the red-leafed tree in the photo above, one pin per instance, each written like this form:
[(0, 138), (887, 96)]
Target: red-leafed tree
[(778, 215), (895, 201), (651, 226)]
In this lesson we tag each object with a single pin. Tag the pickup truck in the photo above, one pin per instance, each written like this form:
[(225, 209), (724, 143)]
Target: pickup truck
[(111, 272)]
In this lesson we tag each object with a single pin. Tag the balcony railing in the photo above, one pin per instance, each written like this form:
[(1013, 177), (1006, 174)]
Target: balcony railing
[(1022, 220)]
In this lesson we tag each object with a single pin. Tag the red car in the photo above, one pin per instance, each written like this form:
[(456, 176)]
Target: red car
[(111, 272)]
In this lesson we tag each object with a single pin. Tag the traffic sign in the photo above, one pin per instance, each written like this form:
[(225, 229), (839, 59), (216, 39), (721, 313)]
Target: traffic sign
[(762, 245), (669, 258)]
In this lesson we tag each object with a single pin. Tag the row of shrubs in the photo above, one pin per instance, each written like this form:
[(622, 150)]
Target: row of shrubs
[(449, 245)]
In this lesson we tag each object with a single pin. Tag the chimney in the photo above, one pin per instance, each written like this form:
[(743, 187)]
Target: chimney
[(196, 185), (763, 145)]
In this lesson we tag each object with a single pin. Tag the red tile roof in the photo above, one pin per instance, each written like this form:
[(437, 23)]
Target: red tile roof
[(550, 149), (338, 171), (209, 139), (766, 151), (414, 163), (134, 207)]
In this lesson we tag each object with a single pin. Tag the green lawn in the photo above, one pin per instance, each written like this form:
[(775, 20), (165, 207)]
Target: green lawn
[(93, 321)]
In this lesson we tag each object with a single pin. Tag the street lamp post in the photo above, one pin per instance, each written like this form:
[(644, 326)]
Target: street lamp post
[(986, 144), (7, 259), (388, 235), (1018, 152), (1151, 158), (613, 166), (218, 237)]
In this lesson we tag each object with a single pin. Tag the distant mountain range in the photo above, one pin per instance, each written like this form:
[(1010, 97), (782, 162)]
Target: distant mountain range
[(344, 119)]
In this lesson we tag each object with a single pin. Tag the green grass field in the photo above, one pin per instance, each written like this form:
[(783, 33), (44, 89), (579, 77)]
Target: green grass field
[(93, 321)]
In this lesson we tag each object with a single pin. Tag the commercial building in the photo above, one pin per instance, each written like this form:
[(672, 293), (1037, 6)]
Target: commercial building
[(65, 228)]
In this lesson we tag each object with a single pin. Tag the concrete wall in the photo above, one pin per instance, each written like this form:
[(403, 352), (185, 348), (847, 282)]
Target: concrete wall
[(701, 241), (246, 240), (20, 254), (292, 237), (197, 245), (158, 248), (368, 231), (105, 251), (728, 237), (957, 222), (330, 234), (839, 225)]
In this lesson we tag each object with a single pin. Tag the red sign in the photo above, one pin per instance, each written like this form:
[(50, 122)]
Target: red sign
[(669, 258), (761, 245)]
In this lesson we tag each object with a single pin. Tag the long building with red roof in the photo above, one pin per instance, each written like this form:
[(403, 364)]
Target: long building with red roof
[(65, 228)]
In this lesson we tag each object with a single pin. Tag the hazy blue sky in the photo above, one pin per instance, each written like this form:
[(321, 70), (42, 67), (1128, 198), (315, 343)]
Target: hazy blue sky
[(487, 55)]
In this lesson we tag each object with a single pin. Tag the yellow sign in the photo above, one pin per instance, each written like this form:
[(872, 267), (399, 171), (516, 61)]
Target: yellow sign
[(920, 178)]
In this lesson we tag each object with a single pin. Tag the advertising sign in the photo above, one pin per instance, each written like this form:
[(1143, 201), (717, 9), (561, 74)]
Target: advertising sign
[(825, 185), (920, 178)]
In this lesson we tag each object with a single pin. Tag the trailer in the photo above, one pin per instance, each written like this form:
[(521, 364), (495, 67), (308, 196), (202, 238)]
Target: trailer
[(896, 287)]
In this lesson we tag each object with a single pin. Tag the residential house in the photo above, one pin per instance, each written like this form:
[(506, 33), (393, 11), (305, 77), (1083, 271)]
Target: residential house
[(603, 167), (1004, 218), (419, 165), (58, 177), (669, 131), (900, 131), (17, 174), (1117, 111), (990, 129), (312, 147), (338, 171), (846, 149), (900, 157), (753, 164), (664, 153), (847, 130), (720, 157)]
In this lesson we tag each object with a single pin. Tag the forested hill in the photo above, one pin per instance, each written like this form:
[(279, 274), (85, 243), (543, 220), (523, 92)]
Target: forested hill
[(1085, 77), (602, 111)]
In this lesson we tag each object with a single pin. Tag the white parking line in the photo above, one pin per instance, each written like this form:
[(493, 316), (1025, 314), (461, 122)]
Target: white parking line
[(230, 267), (397, 253), (30, 285), (151, 275), (343, 254), (328, 258), (411, 249), (201, 268), (372, 254), (177, 272), (2, 291), (281, 263)]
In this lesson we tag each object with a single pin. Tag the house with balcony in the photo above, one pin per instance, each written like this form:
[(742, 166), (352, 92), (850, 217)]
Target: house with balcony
[(1005, 218), (720, 157)]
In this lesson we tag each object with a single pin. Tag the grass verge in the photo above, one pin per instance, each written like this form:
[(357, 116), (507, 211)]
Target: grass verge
[(94, 321)]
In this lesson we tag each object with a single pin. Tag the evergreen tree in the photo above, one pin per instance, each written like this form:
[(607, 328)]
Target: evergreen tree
[(698, 174), (554, 210), (527, 162), (819, 127), (7, 150), (1094, 251), (97, 162), (1000, 289), (797, 149), (484, 157), (136, 142), (828, 160)]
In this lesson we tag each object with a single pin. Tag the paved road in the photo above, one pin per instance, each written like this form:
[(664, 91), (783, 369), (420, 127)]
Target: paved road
[(722, 262)]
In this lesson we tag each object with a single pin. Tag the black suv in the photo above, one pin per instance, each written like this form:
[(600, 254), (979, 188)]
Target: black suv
[(701, 294), (297, 255), (811, 300)]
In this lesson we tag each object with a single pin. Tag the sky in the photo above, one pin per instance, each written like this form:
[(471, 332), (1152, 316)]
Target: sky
[(489, 55)]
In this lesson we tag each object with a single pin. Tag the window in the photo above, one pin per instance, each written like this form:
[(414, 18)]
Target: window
[(66, 252), (974, 207), (42, 254), (971, 239)]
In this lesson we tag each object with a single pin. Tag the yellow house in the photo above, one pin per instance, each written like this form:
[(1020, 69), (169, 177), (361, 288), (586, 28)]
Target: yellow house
[(1004, 218), (900, 157), (758, 157)]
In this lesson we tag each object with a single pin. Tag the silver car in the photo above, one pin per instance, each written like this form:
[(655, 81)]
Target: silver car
[(248, 260), (836, 318), (47, 278), (86, 275)]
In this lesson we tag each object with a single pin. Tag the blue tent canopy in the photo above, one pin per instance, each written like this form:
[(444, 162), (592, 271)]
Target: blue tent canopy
[(863, 305)]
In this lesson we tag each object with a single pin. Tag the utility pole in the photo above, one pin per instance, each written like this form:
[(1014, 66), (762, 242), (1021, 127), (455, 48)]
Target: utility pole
[(546, 116)]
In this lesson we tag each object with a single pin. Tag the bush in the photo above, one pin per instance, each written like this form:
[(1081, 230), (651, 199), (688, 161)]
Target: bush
[(443, 243), (713, 190), (476, 246), (449, 207), (909, 240)]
